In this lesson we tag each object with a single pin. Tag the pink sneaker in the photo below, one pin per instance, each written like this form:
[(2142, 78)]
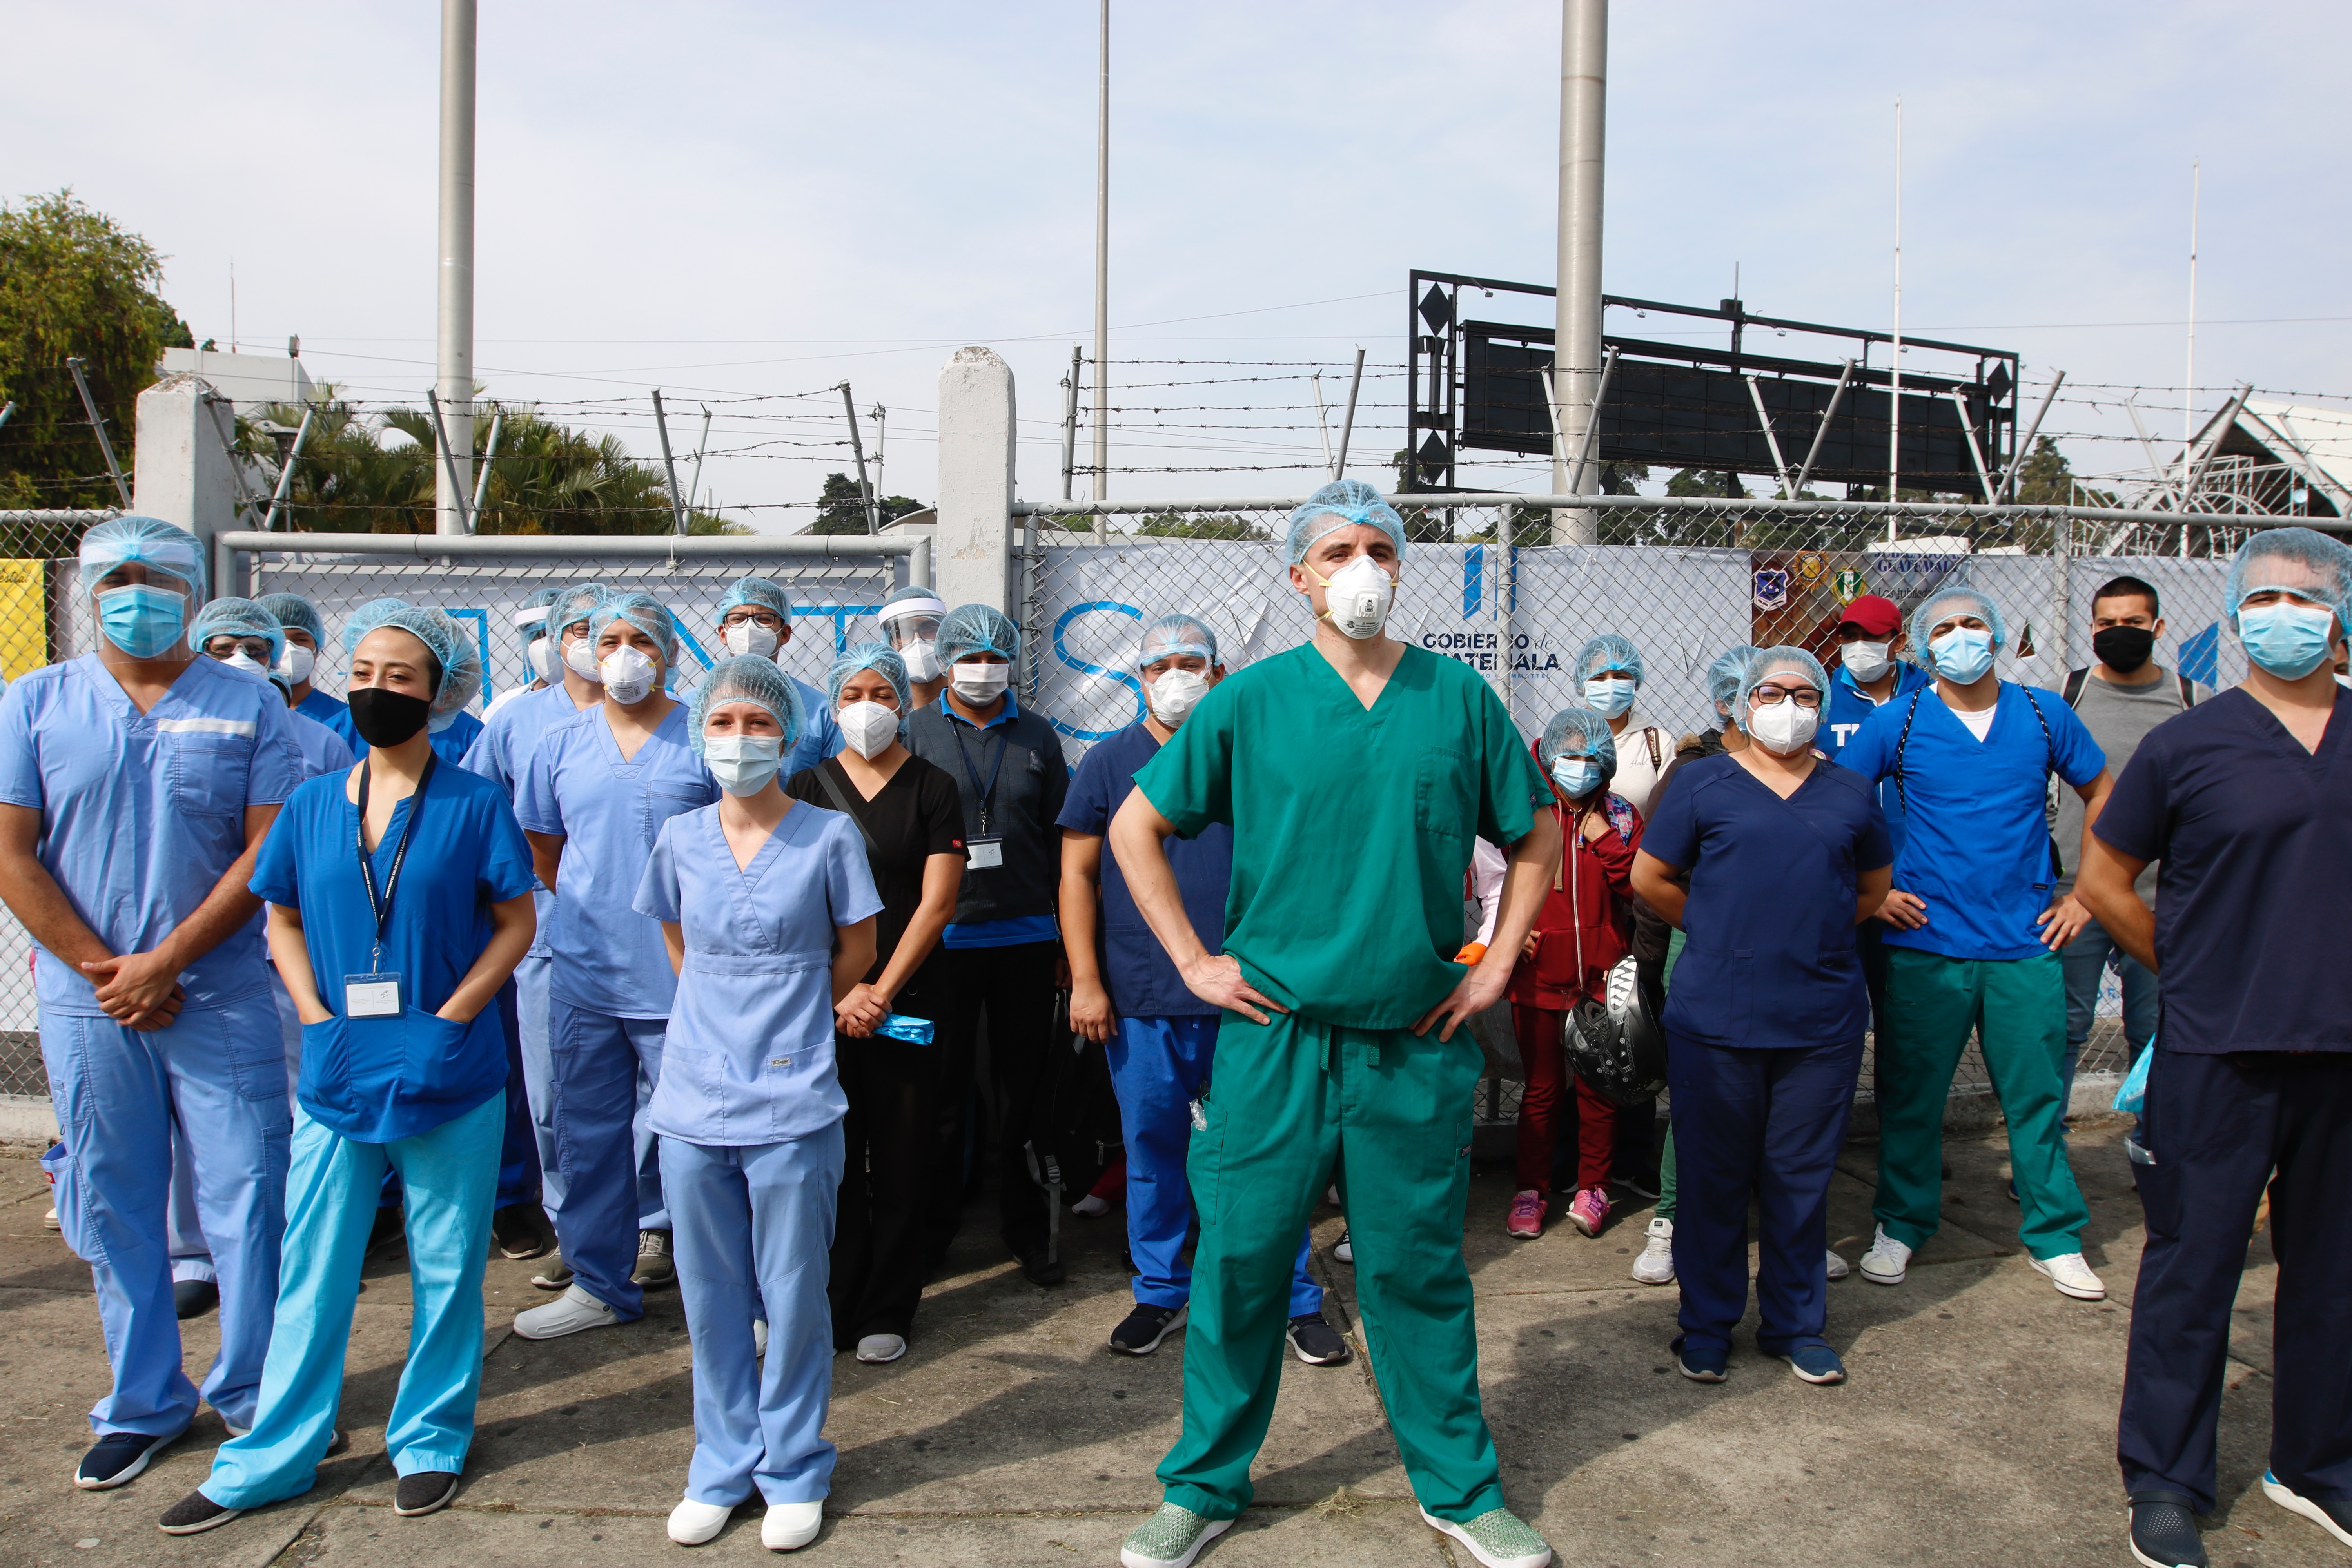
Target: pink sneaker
[(1527, 1220), (1589, 1212)]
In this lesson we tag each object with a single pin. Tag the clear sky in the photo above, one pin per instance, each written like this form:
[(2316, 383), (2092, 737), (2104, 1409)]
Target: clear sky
[(728, 200)]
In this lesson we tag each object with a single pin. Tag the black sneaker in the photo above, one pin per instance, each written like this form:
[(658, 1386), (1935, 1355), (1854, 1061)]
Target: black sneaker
[(193, 1297), (424, 1492), (656, 1269), (516, 1231), (118, 1457), (1141, 1330), (1038, 1270), (1317, 1342), (194, 1514), (2163, 1535), (556, 1276)]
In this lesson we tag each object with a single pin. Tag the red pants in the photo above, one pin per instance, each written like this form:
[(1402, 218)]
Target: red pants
[(1545, 1065)]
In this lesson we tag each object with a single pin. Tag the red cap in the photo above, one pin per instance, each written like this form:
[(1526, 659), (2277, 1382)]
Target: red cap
[(1877, 616)]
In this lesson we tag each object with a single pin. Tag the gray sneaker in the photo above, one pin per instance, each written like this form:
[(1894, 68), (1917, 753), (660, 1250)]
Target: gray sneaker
[(1498, 1538), (1171, 1539), (656, 1269)]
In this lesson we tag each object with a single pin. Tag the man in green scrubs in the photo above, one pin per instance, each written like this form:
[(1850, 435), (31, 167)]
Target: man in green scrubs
[(1355, 773)]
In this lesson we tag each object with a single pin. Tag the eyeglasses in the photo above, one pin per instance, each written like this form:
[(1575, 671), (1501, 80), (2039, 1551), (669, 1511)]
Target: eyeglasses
[(1773, 697)]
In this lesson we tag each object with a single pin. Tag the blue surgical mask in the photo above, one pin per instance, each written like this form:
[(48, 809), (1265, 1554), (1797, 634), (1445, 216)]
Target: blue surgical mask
[(142, 621), (1607, 697), (1577, 777), (2288, 639), (1962, 656)]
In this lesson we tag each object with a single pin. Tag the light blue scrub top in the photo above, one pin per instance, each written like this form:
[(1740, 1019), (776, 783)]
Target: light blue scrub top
[(501, 751), (450, 742), (323, 750), (611, 959), (142, 814), (748, 1055), (821, 737)]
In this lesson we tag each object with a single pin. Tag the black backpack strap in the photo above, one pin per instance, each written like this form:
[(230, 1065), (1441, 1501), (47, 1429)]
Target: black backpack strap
[(1909, 716), (2187, 690), (832, 791), (1657, 760), (2075, 680)]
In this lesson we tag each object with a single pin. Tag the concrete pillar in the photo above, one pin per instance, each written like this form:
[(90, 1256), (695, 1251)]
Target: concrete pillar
[(180, 471), (973, 561)]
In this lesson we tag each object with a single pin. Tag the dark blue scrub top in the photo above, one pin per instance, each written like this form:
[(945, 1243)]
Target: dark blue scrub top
[(1849, 709), (450, 744), (1770, 960), (1143, 982), (376, 1079), (2254, 835), (325, 708)]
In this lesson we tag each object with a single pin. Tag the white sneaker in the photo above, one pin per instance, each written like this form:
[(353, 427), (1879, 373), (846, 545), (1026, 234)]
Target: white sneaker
[(759, 1338), (1656, 1264), (568, 1314), (50, 1221), (1344, 1249), (791, 1525), (879, 1348), (1887, 1261), (1090, 1207), (691, 1523), (1838, 1266), (2072, 1275)]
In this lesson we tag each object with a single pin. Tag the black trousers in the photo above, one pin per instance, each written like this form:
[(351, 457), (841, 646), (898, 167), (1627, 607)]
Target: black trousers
[(881, 1254), (2216, 1128), (1014, 988)]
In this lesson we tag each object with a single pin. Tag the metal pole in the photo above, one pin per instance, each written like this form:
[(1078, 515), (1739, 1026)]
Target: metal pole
[(286, 474), (7, 409), (1070, 421), (2188, 376), (227, 430), (482, 479), (881, 418), (2026, 448), (1975, 453), (2221, 428), (448, 463), (693, 485), (1348, 427), (1894, 355), (1576, 336), (1584, 453), (1827, 414), (670, 466), (454, 325), (1323, 426), (1781, 469), (89, 406), (857, 450), (1102, 269)]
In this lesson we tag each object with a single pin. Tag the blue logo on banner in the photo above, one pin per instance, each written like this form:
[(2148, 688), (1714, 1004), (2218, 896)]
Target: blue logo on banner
[(2201, 657), (1062, 652)]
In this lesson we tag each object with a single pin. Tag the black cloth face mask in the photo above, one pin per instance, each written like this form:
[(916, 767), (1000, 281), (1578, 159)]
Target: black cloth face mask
[(386, 717), (2123, 649)]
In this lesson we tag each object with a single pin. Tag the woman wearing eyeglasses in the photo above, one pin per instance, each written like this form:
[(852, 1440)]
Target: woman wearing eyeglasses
[(1787, 854)]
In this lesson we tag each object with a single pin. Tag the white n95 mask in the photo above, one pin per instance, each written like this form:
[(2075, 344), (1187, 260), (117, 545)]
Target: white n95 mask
[(297, 662), (1864, 660), (1176, 693), (542, 659), (628, 676), (1783, 729), (241, 660), (868, 728), (750, 639), (580, 658), (743, 764), (922, 657), (981, 684), (1358, 597)]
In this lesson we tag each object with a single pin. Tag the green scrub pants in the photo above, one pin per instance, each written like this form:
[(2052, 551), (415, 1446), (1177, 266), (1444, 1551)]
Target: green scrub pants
[(2017, 1007), (1291, 1100)]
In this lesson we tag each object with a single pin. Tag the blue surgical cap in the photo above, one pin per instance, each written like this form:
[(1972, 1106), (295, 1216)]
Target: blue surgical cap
[(2297, 560), (237, 617), (1336, 505), (1954, 599), (1607, 651), (878, 657), (753, 679), (1582, 733), (1781, 661), (158, 545), (764, 591), (969, 629), (295, 614), (642, 611), (447, 640), (1178, 633), (530, 628), (576, 603), (1727, 674)]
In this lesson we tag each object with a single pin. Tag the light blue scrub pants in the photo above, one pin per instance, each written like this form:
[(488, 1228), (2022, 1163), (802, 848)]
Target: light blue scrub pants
[(119, 1096), (449, 1176), (1158, 1067), (753, 1228), (538, 1073), (192, 1255), (601, 1070)]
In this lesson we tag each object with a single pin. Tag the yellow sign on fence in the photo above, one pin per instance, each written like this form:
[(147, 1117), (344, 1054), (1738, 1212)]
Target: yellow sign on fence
[(24, 617)]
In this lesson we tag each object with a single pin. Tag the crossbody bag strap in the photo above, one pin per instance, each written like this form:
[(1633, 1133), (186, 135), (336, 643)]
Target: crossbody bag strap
[(832, 791)]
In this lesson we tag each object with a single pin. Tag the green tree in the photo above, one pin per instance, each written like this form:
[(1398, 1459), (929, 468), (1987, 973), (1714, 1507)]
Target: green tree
[(841, 507), (1209, 526), (73, 283), (2046, 479), (1705, 482)]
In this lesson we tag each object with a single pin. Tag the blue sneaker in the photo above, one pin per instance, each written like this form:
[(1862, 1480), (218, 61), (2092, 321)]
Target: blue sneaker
[(1816, 1363), (1702, 1363), (2333, 1515)]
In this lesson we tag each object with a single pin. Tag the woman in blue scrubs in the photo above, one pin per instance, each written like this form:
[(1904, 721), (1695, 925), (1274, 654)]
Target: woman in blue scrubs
[(399, 902), (766, 909), (595, 793), (1787, 855)]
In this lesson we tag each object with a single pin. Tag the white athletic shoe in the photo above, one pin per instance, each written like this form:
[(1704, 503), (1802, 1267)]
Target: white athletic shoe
[(791, 1525), (1887, 1260), (759, 1338), (568, 1314), (2328, 1516), (691, 1523), (2072, 1275), (1091, 1208), (880, 1348), (1344, 1249), (1838, 1266), (1656, 1264)]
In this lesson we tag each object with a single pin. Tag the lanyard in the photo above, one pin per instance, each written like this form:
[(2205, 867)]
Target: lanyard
[(989, 794), (381, 905)]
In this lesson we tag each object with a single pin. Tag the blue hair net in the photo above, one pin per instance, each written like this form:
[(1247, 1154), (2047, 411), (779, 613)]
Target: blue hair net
[(295, 614), (1954, 599), (530, 630), (764, 591), (1725, 675), (878, 657), (237, 617), (576, 603), (447, 640), (1607, 651), (978, 628), (158, 545), (642, 611), (2299, 559), (1178, 633), (1583, 732), (1780, 661), (754, 680), (1336, 505)]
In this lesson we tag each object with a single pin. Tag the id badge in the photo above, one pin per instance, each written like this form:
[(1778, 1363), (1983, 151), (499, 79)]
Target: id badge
[(985, 854), (372, 996)]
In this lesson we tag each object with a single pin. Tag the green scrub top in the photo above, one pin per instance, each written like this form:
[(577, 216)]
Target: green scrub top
[(1352, 827)]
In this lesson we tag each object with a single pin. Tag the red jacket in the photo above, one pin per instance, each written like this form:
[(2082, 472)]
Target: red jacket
[(1586, 924)]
